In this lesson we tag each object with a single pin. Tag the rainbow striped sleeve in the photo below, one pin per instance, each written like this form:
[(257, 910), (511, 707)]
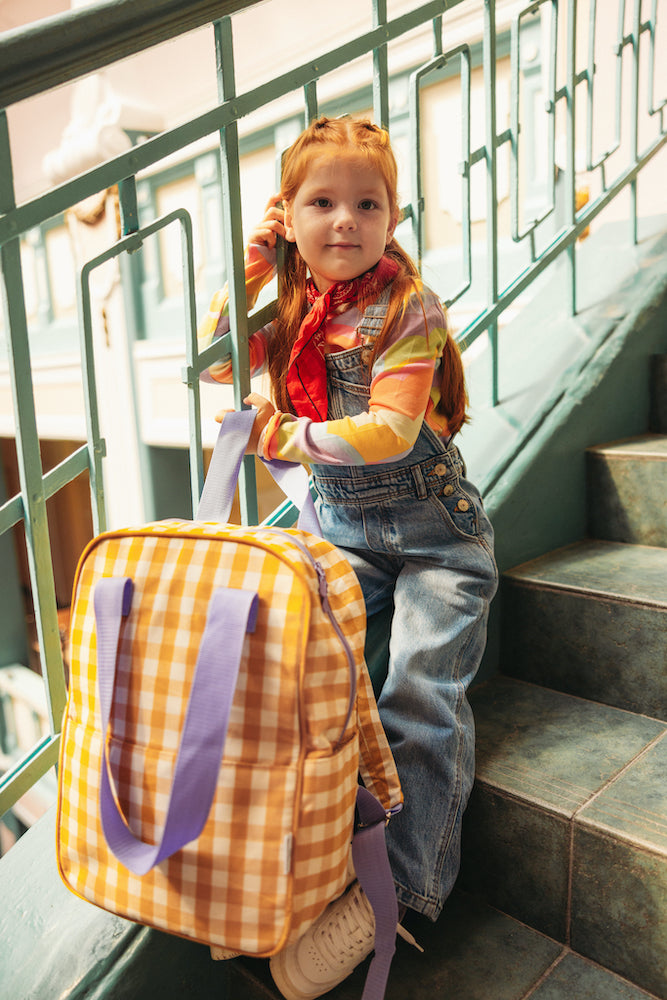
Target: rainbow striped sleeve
[(259, 270), (402, 393)]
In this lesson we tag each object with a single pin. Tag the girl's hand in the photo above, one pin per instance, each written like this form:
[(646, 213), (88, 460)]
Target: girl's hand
[(271, 226), (265, 410)]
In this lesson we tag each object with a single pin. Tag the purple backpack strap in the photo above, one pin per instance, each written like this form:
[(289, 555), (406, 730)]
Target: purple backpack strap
[(371, 863)]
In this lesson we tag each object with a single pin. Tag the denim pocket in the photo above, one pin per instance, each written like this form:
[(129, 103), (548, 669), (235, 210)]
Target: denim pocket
[(457, 508)]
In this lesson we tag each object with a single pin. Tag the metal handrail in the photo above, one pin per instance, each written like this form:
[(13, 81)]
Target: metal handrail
[(66, 46)]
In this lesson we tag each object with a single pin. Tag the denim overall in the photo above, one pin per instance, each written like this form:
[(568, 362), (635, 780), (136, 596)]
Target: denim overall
[(416, 534)]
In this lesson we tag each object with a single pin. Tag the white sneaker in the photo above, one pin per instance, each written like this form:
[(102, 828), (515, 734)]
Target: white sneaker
[(219, 954), (329, 950)]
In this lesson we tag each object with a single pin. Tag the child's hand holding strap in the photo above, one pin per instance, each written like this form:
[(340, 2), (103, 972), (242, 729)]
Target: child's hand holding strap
[(265, 410)]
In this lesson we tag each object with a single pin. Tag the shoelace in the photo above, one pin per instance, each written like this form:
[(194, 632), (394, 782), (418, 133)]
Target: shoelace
[(407, 936), (346, 934)]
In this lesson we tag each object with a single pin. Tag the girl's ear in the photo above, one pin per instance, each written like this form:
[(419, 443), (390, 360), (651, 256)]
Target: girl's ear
[(393, 222), (289, 230)]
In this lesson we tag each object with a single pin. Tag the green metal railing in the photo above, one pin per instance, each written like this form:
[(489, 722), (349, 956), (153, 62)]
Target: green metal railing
[(64, 48)]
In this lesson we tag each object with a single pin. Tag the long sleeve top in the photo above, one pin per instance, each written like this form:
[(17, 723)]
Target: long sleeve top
[(404, 388)]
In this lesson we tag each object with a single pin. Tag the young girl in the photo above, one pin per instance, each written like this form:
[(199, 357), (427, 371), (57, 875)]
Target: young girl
[(372, 404)]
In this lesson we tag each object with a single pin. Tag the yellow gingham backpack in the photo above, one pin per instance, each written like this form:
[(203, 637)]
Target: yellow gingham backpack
[(233, 832)]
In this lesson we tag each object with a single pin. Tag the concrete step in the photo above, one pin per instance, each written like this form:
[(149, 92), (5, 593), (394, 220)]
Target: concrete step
[(566, 830), (472, 952), (590, 619), (626, 490)]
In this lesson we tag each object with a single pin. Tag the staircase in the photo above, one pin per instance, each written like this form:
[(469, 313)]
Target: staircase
[(567, 827), (563, 887)]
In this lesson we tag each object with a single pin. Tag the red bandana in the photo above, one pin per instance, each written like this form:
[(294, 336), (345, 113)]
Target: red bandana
[(307, 373)]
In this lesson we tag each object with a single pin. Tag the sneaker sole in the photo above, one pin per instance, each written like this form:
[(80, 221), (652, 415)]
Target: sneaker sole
[(284, 983)]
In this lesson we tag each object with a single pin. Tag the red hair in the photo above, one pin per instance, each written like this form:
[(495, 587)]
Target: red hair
[(359, 138)]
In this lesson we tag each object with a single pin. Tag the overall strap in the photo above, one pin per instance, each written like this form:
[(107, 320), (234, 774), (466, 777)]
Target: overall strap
[(375, 315)]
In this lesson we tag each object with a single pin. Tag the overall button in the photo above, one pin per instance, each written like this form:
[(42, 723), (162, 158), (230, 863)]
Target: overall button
[(440, 469), (448, 490), (462, 505)]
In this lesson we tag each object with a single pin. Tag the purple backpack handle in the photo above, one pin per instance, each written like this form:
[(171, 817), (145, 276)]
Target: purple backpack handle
[(231, 614), (223, 472)]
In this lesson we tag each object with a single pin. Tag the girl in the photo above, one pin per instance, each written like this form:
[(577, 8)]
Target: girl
[(369, 392)]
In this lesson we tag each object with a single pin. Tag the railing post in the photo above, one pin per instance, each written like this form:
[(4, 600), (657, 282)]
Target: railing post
[(570, 164), (233, 237), (489, 48), (416, 193), (96, 443), (130, 267), (380, 69), (310, 99), (38, 544), (634, 115)]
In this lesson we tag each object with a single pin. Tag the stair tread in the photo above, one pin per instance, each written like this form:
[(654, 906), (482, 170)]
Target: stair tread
[(634, 805), (576, 977), (608, 569), (551, 749), (648, 446)]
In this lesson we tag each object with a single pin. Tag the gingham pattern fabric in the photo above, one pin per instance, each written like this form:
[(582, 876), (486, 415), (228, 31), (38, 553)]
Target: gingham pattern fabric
[(274, 849)]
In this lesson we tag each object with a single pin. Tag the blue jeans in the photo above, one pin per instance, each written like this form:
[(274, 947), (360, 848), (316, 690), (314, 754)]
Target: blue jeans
[(416, 534)]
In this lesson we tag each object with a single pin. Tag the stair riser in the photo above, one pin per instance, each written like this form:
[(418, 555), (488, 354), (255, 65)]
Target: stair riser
[(619, 908), (605, 650), (627, 499), (516, 858)]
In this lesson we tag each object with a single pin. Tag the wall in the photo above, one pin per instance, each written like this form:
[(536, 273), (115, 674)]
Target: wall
[(540, 503)]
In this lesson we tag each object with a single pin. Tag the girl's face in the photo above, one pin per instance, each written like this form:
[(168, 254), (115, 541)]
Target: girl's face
[(340, 218)]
